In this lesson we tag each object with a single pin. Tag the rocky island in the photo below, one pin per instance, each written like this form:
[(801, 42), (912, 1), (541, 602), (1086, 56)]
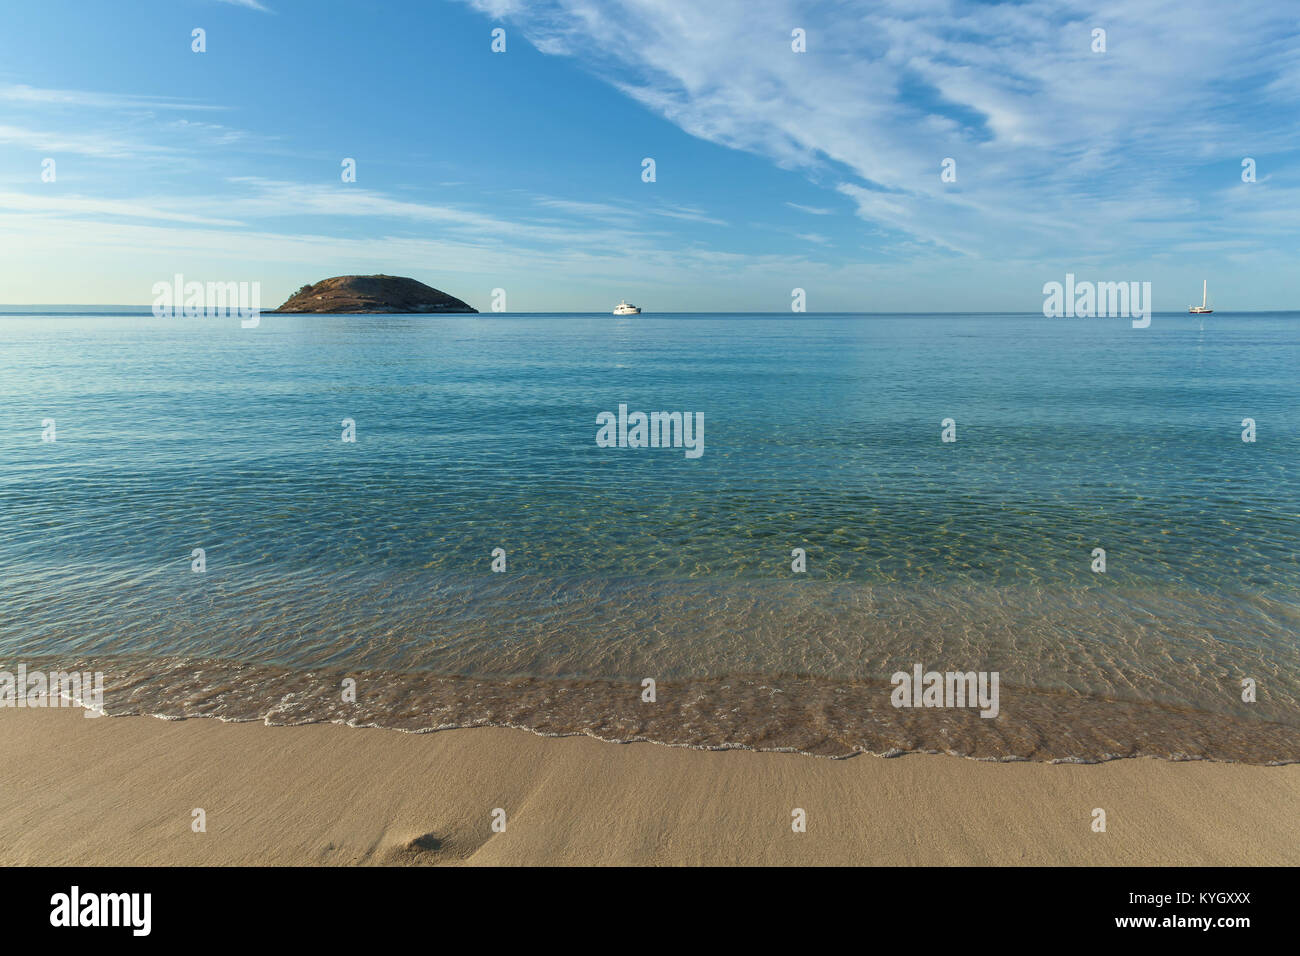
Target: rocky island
[(372, 294)]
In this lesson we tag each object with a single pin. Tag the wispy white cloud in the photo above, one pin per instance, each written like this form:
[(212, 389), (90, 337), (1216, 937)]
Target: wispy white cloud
[(109, 125), (53, 205), (250, 4), (1050, 138), (22, 94), (627, 212), (82, 144), (813, 210), (686, 213), (260, 198)]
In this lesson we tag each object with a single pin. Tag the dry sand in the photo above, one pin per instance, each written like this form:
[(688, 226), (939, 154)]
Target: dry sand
[(122, 791)]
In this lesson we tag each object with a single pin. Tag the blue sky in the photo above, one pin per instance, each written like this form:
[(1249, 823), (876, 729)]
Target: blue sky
[(774, 169)]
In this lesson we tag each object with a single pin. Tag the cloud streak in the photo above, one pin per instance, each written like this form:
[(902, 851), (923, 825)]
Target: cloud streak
[(248, 4), (22, 94)]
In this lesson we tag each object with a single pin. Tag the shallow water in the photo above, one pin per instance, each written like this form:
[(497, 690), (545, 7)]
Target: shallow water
[(326, 559)]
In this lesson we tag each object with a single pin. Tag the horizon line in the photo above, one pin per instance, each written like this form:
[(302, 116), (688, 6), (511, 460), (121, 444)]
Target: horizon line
[(34, 307)]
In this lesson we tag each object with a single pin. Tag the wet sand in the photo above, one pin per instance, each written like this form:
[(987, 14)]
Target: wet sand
[(123, 790)]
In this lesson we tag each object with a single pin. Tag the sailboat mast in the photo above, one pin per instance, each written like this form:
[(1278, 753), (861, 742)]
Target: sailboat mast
[(1204, 283)]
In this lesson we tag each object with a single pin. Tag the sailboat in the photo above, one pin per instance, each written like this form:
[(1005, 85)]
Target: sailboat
[(1201, 309)]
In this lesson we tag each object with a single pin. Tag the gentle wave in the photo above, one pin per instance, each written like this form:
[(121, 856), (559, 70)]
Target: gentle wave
[(814, 716)]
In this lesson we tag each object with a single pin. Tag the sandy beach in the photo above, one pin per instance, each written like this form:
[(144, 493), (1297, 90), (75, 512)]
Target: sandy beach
[(124, 790)]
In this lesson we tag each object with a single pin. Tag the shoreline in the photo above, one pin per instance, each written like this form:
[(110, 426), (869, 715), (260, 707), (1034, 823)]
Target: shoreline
[(122, 791), (768, 713)]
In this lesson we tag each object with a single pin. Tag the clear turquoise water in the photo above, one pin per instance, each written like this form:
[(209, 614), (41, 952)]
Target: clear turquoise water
[(821, 432)]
